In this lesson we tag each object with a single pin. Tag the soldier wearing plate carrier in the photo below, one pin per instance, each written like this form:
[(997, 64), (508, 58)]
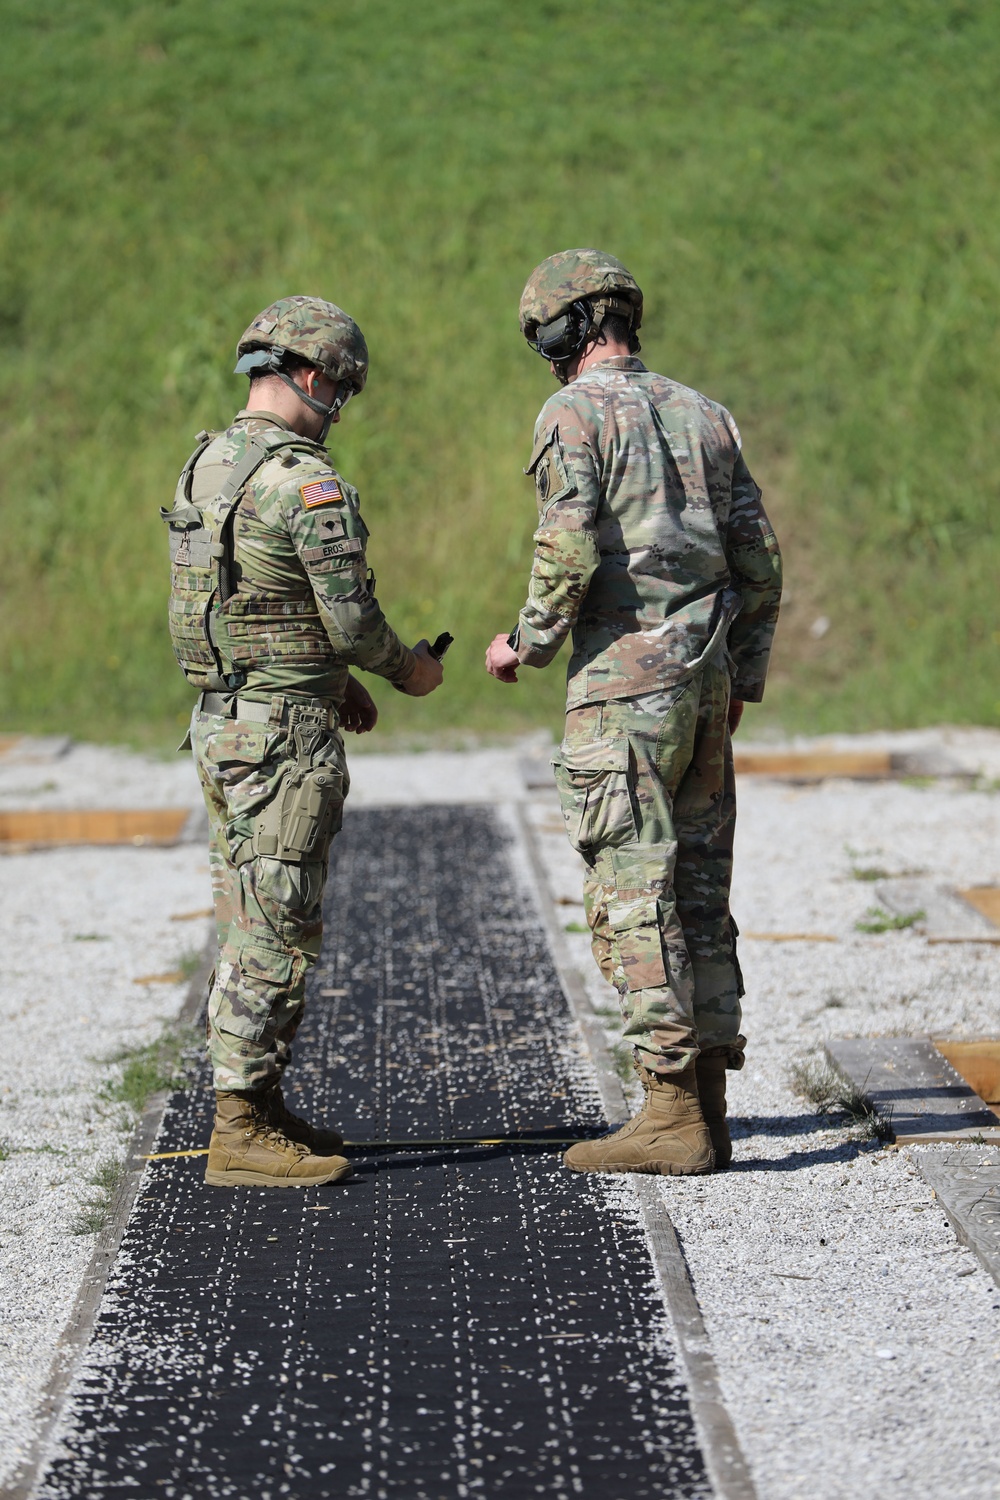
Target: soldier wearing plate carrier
[(654, 552), (271, 603)]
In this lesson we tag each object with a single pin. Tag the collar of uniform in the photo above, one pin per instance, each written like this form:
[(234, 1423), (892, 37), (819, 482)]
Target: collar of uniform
[(617, 362), (269, 418)]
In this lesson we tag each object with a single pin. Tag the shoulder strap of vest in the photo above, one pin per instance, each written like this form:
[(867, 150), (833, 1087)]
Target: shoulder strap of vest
[(185, 514), (259, 450)]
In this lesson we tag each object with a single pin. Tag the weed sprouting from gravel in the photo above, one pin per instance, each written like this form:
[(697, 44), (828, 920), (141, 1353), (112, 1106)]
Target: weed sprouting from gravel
[(94, 1213), (877, 920), (144, 1071), (189, 963), (4, 1151), (834, 1095)]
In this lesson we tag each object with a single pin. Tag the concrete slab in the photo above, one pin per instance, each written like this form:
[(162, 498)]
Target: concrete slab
[(968, 1188), (915, 1088), (945, 914), (32, 750)]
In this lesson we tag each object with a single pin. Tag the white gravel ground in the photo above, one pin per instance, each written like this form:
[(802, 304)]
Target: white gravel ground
[(856, 1342), (80, 925)]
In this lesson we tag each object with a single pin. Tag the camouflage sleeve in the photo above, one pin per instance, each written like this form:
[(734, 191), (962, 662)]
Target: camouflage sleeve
[(328, 534), (755, 567), (565, 468)]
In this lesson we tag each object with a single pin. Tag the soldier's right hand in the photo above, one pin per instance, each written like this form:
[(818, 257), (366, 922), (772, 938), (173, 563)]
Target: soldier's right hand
[(428, 675)]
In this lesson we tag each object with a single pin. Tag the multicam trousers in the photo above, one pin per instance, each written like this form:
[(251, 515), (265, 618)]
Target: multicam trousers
[(648, 797), (268, 906)]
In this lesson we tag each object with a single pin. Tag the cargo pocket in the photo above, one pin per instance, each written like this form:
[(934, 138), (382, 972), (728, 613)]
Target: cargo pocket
[(235, 742), (255, 990), (593, 783), (636, 925)]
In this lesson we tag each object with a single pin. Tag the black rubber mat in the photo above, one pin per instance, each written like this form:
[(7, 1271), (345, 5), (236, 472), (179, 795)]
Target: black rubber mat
[(454, 1322)]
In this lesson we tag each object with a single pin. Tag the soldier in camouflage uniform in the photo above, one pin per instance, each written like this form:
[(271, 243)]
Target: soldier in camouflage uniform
[(653, 550), (271, 603)]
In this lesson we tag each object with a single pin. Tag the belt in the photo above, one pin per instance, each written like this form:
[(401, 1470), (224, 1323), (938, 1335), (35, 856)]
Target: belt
[(278, 712)]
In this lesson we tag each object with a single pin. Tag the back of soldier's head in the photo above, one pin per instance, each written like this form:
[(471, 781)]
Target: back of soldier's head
[(578, 294)]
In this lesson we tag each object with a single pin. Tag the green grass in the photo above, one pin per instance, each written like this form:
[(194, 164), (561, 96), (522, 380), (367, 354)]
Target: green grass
[(140, 1072), (94, 1212), (877, 920), (838, 1099), (804, 189)]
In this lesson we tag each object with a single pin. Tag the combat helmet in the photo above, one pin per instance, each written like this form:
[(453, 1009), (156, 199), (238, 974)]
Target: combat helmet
[(568, 297), (309, 329)]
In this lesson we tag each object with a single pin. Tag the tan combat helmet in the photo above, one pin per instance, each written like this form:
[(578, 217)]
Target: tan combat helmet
[(568, 297), (320, 333)]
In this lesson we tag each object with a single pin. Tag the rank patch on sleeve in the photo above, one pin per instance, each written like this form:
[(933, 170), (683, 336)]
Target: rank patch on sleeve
[(320, 492)]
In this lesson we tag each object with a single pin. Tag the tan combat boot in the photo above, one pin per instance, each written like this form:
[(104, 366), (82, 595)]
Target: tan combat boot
[(316, 1139), (668, 1135), (710, 1069), (247, 1150)]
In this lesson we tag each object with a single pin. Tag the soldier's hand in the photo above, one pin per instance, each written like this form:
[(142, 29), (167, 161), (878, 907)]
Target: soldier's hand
[(358, 713), (429, 673), (735, 714), (502, 661)]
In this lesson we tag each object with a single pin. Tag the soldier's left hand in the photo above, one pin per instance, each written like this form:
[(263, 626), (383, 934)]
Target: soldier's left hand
[(735, 714), (501, 661), (358, 713)]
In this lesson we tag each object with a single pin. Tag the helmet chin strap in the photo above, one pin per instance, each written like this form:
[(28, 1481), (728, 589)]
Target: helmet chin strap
[(268, 362), (319, 407)]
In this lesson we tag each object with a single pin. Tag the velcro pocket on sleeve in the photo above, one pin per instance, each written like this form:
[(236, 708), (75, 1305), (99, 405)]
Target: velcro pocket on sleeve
[(548, 468)]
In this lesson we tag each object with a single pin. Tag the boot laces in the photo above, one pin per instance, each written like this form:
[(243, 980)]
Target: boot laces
[(269, 1133)]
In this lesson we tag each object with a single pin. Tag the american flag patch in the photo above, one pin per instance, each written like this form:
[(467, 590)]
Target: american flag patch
[(320, 492)]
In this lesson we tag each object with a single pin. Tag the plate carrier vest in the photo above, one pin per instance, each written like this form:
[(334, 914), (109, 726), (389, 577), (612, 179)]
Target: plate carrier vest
[(218, 634)]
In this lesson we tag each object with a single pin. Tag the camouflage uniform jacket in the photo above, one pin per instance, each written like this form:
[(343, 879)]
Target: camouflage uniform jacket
[(653, 547), (302, 610)]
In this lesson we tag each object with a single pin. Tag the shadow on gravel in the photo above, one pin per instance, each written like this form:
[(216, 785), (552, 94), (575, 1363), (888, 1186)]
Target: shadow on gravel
[(784, 1125), (795, 1161)]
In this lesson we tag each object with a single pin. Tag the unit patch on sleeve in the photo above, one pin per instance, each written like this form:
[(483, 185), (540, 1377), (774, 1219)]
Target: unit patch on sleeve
[(320, 492)]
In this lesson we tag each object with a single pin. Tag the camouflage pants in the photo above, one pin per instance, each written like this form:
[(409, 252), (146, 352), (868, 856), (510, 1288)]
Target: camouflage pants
[(648, 797), (268, 910)]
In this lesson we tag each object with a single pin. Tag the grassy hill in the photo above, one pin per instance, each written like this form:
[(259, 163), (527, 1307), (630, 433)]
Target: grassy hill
[(805, 190)]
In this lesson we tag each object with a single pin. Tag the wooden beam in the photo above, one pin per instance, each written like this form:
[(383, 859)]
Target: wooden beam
[(815, 765), (979, 1065), (106, 826), (986, 900)]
